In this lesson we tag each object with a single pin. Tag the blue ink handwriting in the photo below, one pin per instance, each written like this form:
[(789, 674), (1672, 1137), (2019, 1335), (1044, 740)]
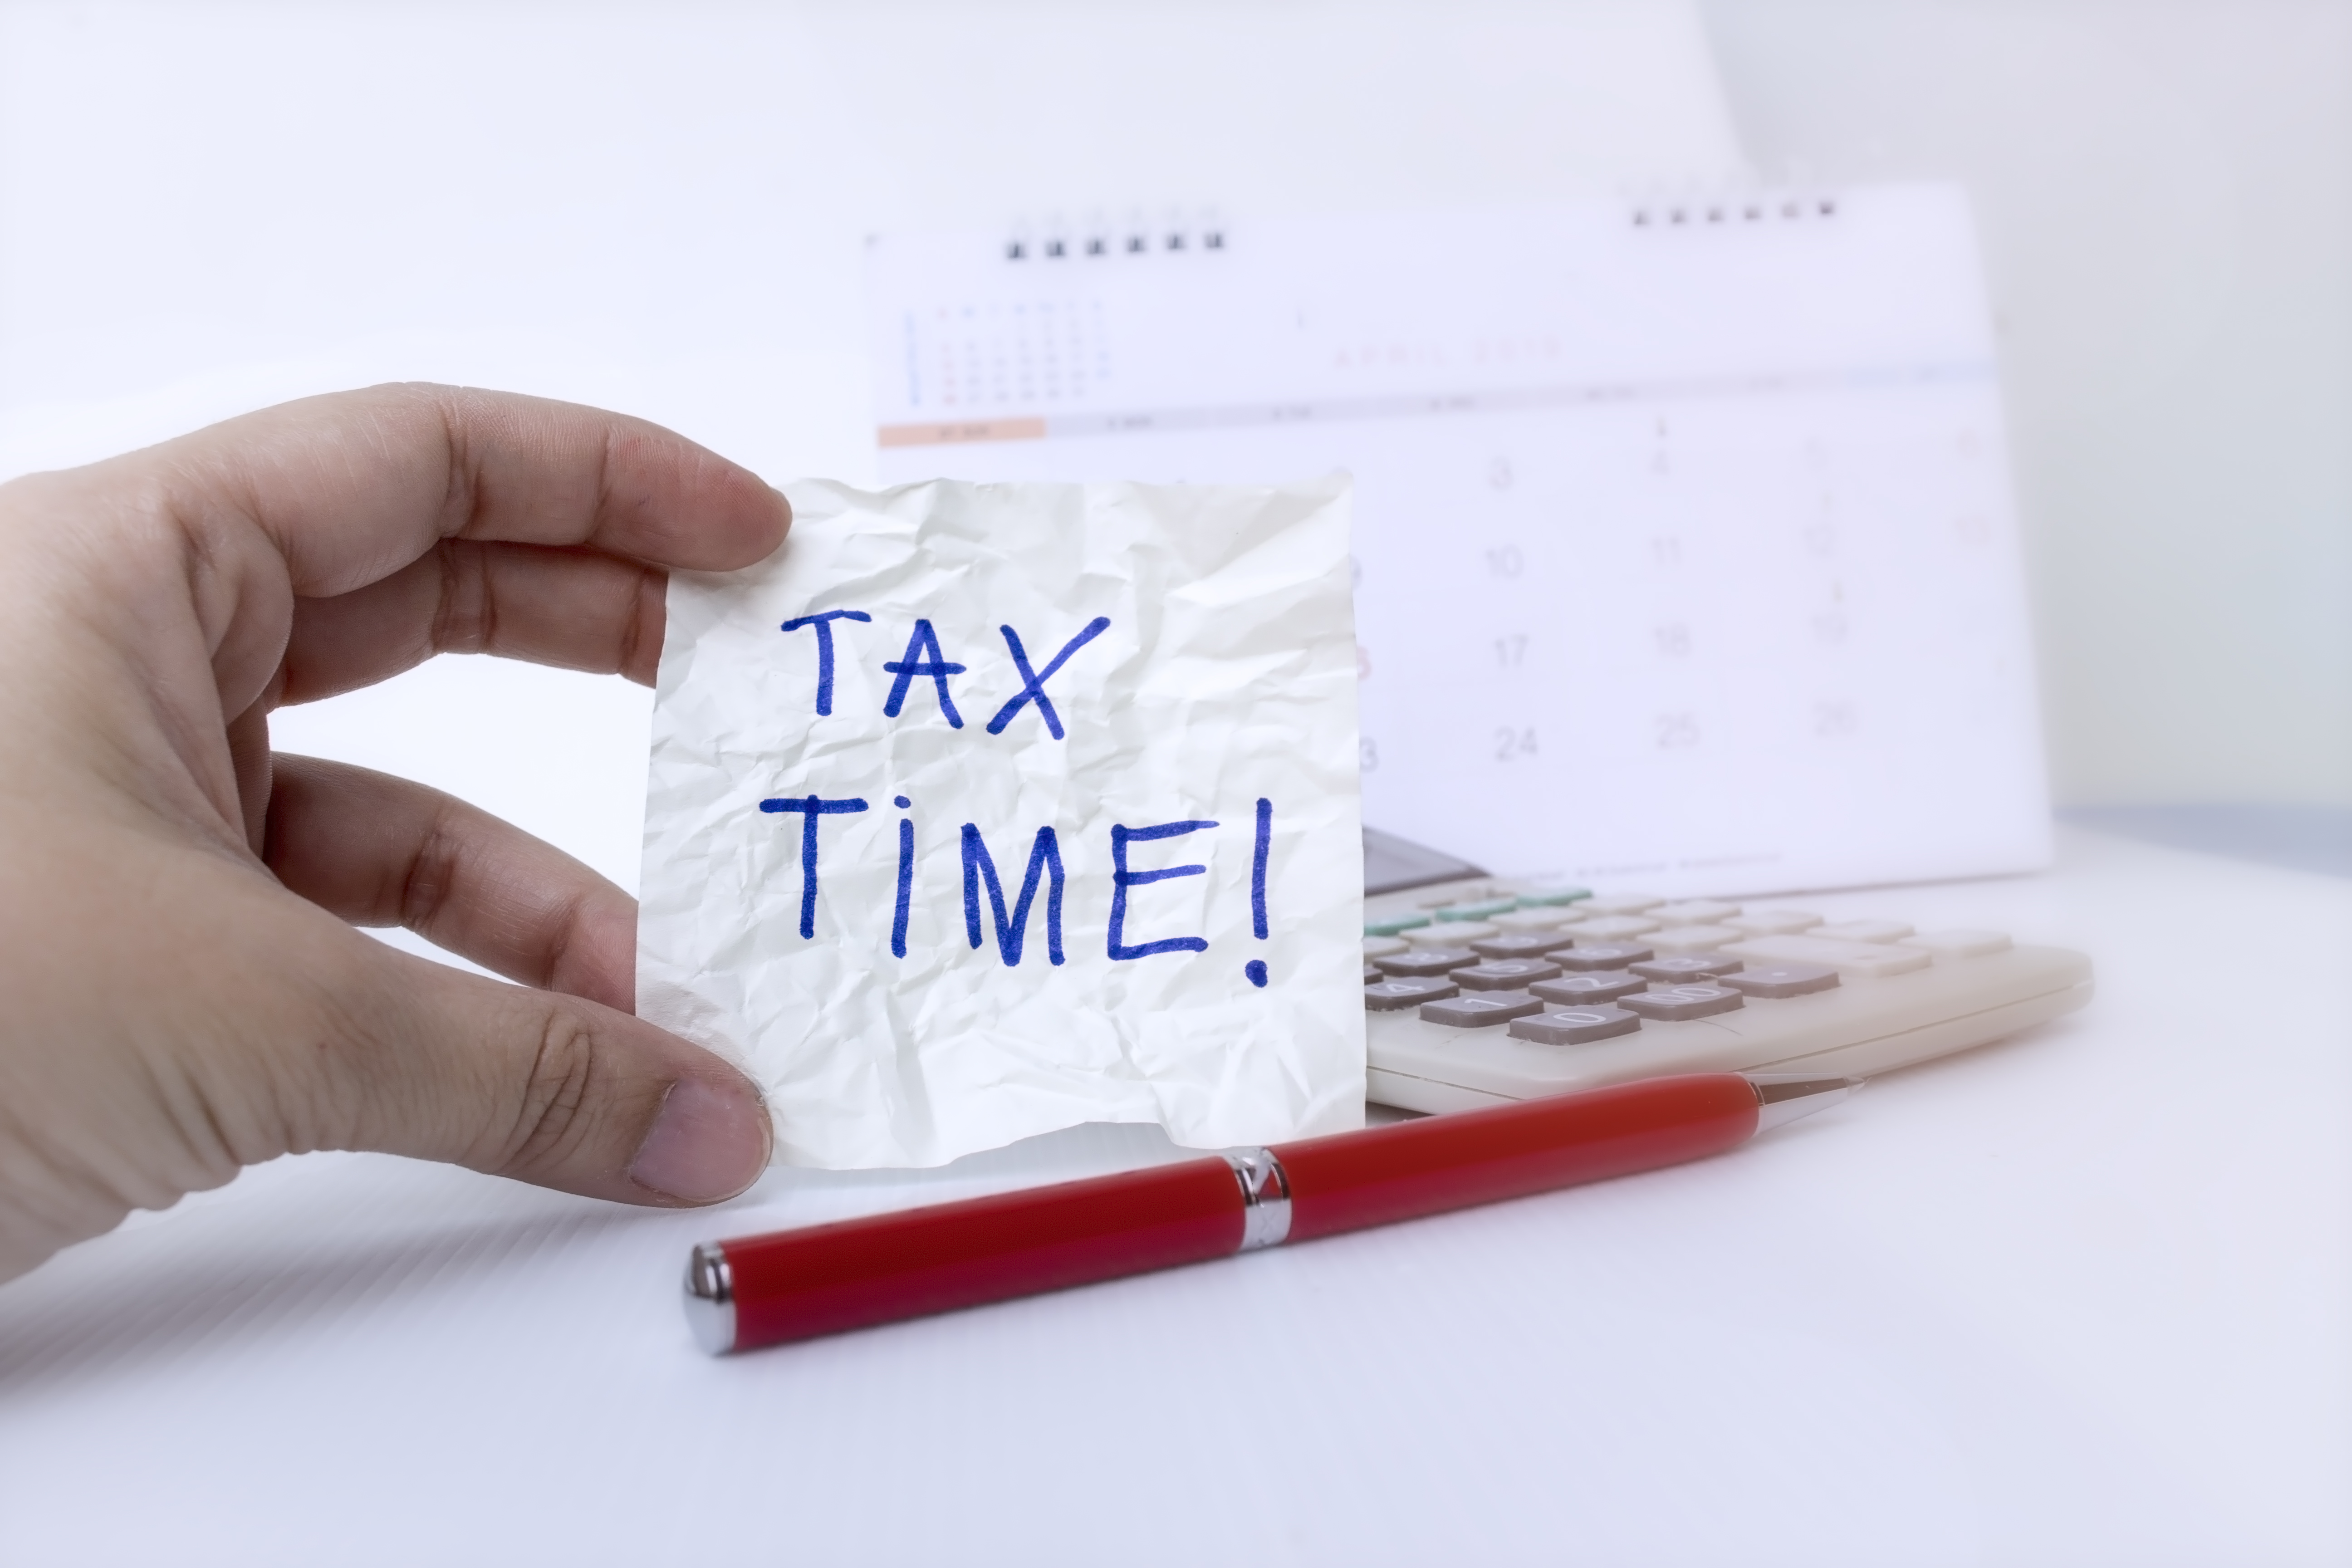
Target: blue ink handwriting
[(1122, 879), (1257, 868), (906, 881), (1256, 968), (936, 667), (822, 622), (1044, 856), (1033, 684), (815, 809)]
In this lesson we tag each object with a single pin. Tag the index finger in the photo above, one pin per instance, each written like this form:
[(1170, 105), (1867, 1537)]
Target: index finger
[(353, 486)]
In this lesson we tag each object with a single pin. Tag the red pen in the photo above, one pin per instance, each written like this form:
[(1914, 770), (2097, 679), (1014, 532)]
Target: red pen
[(796, 1284)]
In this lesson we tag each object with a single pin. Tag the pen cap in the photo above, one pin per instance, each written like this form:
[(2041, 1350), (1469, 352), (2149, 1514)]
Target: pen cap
[(1351, 1180)]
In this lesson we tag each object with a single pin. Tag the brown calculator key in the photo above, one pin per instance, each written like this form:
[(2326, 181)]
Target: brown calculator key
[(1426, 961), (1481, 1008), (1602, 955), (1676, 1003), (1675, 967), (1575, 1026), (1777, 980), (1503, 973), (1519, 944), (1588, 990), (1372, 976), (1393, 995)]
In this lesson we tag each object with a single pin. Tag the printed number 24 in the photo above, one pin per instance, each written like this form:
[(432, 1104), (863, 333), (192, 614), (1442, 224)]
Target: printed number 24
[(1510, 744)]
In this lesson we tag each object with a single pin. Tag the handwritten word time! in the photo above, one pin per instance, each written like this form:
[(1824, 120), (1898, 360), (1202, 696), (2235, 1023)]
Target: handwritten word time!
[(924, 659)]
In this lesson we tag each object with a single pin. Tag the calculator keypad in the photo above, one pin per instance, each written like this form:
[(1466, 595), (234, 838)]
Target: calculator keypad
[(1854, 960), (1864, 931), (1535, 919), (1594, 989), (1591, 955), (1781, 981), (1554, 898), (1575, 1026), (1673, 1004), (1773, 923), (1453, 933), (1529, 944), (1619, 903), (1427, 960), (1482, 1009), (1504, 974), (1692, 912), (1395, 925), (1501, 996), (1485, 908), (1691, 939), (1671, 967), (1394, 995), (1612, 928)]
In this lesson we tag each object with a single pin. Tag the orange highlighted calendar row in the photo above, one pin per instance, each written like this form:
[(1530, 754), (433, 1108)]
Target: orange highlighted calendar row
[(954, 430)]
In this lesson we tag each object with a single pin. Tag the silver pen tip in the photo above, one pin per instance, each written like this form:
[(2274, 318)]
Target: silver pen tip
[(1783, 1097), (710, 1300)]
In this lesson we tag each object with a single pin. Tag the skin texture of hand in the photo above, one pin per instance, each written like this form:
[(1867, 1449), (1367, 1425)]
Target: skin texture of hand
[(181, 989)]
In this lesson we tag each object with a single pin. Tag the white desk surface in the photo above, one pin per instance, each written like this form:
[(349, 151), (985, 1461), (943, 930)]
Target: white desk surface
[(2079, 1298)]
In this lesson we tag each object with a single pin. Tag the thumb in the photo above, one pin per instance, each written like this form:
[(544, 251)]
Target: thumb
[(544, 1087)]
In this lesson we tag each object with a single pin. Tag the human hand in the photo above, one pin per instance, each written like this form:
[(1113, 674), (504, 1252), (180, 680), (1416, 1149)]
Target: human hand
[(180, 992)]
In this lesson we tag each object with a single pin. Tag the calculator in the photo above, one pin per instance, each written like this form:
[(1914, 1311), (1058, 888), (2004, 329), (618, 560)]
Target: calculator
[(1480, 991)]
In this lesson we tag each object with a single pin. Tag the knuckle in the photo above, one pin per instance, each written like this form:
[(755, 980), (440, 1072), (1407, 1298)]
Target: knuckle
[(465, 617), (432, 873), (641, 635), (556, 1116)]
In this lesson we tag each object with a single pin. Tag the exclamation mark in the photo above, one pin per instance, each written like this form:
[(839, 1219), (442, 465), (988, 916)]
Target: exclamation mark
[(1256, 967), (906, 881)]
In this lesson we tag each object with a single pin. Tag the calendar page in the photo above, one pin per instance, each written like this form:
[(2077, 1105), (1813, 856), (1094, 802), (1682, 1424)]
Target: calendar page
[(1686, 555)]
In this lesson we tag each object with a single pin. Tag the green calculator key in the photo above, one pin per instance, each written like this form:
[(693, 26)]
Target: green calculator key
[(1478, 912), (1395, 925)]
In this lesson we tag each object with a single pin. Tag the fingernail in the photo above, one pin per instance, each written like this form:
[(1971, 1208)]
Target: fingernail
[(708, 1142)]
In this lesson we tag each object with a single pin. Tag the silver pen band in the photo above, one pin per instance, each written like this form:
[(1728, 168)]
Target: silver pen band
[(1265, 1197)]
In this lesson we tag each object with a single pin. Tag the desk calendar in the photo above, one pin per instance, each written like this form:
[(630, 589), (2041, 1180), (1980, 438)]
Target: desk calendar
[(1685, 550)]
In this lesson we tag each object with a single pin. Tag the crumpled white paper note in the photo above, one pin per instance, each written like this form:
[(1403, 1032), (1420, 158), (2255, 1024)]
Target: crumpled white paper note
[(982, 810)]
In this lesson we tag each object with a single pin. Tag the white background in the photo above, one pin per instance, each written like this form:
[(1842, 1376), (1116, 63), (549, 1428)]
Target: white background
[(207, 208), (2166, 192)]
